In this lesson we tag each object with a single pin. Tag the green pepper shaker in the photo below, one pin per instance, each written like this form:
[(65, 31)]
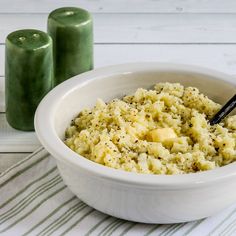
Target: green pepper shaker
[(29, 74), (71, 30)]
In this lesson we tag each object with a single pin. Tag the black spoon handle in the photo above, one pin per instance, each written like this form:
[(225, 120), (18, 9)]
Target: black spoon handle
[(224, 111)]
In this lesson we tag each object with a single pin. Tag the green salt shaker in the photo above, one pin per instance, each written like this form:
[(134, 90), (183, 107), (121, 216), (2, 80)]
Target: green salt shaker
[(71, 30), (29, 74)]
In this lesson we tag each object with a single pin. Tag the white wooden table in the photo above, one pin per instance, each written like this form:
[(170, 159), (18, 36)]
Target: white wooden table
[(180, 31)]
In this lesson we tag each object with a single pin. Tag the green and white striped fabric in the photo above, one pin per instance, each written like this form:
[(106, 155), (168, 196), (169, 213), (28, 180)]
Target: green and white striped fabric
[(35, 201)]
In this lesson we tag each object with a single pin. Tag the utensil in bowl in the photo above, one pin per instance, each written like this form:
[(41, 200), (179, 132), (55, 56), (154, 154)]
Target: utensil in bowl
[(224, 111)]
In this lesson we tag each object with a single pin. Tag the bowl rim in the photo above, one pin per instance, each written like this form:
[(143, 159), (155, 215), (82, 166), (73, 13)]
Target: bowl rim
[(47, 135)]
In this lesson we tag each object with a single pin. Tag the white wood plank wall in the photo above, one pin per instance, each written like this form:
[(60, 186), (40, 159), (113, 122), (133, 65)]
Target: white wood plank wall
[(200, 32), (114, 6)]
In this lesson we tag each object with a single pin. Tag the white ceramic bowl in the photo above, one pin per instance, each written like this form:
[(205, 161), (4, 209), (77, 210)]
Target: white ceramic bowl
[(136, 197)]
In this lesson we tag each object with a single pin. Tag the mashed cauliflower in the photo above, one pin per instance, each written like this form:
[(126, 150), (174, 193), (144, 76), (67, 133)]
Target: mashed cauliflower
[(161, 131)]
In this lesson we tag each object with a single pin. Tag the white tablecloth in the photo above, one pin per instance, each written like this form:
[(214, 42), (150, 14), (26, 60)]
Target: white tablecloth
[(35, 201)]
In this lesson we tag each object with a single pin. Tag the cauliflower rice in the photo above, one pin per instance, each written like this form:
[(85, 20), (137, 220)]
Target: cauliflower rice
[(161, 131)]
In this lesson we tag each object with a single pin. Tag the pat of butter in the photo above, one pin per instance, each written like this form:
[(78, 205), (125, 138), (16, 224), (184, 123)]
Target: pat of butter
[(160, 135)]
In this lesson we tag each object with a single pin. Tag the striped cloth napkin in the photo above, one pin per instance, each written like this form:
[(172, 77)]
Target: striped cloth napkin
[(35, 201)]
